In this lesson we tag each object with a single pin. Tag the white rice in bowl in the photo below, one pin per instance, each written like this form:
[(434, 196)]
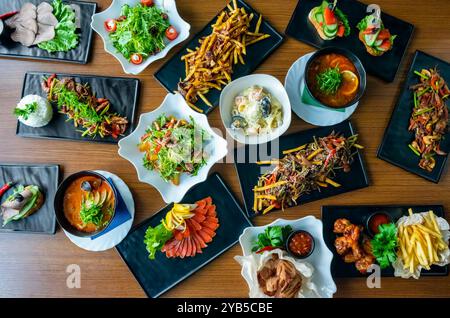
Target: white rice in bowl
[(41, 116)]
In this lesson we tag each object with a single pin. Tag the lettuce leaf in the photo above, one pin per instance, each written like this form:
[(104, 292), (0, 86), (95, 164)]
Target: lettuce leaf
[(155, 238), (65, 31)]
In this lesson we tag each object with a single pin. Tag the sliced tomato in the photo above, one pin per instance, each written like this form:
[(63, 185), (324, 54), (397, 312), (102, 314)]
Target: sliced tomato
[(111, 25), (329, 16), (384, 34), (136, 59), (386, 45), (340, 31), (171, 33), (147, 3)]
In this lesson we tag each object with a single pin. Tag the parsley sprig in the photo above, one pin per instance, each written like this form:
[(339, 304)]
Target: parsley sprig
[(27, 111), (384, 245)]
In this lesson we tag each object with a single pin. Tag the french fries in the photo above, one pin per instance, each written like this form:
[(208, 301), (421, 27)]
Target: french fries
[(210, 65), (420, 244)]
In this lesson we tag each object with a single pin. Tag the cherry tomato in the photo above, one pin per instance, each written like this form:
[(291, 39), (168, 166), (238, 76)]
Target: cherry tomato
[(171, 33), (340, 31), (384, 34), (329, 16), (386, 45), (110, 25), (136, 58), (147, 3)]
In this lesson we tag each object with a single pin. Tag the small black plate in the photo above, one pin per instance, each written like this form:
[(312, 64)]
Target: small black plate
[(394, 147), (46, 177), (79, 54), (249, 172), (385, 66), (123, 93), (161, 274), (358, 215), (174, 69)]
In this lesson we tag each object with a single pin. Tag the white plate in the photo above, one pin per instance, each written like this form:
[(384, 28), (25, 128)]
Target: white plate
[(113, 12), (115, 236), (269, 83), (320, 259), (216, 148), (314, 115)]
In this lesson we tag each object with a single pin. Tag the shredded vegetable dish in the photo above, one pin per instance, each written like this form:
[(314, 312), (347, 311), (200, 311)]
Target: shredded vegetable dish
[(139, 32), (302, 170), (429, 119), (88, 112), (211, 64), (174, 146)]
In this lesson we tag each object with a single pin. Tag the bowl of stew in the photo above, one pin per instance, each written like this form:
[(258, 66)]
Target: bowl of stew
[(85, 203), (335, 78), (300, 244)]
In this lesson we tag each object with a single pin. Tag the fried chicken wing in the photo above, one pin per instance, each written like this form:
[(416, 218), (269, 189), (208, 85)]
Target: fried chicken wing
[(340, 225)]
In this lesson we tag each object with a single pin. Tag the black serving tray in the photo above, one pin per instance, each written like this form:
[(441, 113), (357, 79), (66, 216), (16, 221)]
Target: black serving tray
[(174, 69), (46, 177), (385, 66), (161, 274), (249, 171), (358, 214), (394, 146), (123, 93), (80, 54)]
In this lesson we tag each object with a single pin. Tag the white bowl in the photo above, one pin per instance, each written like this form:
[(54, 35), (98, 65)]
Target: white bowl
[(216, 148), (320, 259), (269, 83), (113, 12)]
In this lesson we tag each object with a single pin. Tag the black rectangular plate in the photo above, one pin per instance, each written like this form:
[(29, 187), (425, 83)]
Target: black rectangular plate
[(358, 214), (249, 171), (161, 274), (394, 146), (46, 177), (173, 70), (79, 54), (385, 66), (123, 93)]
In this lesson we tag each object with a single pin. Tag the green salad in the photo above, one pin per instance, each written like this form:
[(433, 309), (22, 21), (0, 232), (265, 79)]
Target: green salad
[(174, 146), (139, 32), (66, 37)]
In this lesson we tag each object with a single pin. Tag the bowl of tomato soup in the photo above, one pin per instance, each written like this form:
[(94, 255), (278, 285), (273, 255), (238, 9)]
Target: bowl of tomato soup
[(300, 244), (85, 203), (335, 78)]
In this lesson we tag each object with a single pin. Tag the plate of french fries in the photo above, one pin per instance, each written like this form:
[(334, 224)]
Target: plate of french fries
[(232, 45), (423, 240)]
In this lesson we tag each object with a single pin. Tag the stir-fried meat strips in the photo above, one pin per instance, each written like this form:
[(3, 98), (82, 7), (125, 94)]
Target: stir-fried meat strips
[(79, 103), (429, 119), (303, 170)]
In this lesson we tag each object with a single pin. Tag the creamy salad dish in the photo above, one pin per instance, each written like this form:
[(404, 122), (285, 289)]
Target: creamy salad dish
[(256, 111)]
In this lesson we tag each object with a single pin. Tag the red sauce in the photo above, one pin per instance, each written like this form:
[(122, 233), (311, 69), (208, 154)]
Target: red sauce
[(376, 220), (301, 244)]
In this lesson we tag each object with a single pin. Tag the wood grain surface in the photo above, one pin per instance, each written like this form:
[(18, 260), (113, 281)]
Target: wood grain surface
[(35, 265)]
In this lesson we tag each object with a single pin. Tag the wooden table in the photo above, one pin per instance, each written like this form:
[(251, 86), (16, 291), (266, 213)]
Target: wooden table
[(35, 265)]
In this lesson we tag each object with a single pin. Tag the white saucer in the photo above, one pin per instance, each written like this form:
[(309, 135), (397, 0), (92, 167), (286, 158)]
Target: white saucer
[(314, 115), (115, 236)]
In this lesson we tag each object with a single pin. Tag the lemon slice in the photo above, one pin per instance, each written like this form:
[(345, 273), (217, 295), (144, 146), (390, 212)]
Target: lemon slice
[(350, 83)]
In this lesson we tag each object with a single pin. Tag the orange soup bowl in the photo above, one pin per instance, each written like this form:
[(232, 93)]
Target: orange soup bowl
[(352, 78), (90, 192)]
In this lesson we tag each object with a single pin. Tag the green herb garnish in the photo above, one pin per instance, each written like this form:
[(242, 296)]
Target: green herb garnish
[(142, 31), (27, 111), (329, 80), (91, 213), (384, 245), (273, 236), (65, 31), (155, 238)]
